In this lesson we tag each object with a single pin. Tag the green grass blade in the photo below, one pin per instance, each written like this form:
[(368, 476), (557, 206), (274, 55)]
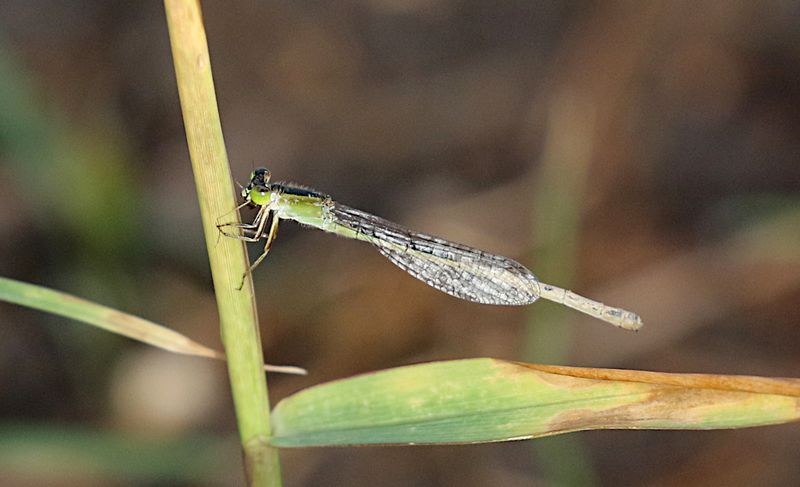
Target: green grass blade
[(109, 319), (484, 400), (69, 306)]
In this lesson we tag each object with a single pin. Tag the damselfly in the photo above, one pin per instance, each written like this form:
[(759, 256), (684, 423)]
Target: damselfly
[(458, 270)]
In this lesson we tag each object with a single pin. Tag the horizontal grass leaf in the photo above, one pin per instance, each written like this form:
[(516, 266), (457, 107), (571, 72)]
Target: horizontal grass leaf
[(485, 400), (109, 319)]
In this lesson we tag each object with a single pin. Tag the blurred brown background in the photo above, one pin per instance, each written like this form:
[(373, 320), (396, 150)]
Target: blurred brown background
[(643, 153)]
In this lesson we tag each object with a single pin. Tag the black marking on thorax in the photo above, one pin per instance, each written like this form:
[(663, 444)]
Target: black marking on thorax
[(296, 191)]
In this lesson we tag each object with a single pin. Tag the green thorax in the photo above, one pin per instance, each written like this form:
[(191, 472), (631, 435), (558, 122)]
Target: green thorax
[(300, 204)]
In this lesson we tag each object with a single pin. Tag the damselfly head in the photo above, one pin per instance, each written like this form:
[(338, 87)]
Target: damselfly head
[(260, 176), (257, 190)]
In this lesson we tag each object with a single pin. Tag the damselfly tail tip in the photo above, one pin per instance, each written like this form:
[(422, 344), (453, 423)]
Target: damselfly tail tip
[(630, 321)]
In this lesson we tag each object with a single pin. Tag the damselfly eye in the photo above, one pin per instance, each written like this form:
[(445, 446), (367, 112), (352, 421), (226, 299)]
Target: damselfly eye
[(259, 196)]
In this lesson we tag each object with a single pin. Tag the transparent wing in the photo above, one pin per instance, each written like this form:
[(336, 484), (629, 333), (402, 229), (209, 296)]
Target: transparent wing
[(456, 269)]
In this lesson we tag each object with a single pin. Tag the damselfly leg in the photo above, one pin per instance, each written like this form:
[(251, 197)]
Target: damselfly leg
[(254, 232)]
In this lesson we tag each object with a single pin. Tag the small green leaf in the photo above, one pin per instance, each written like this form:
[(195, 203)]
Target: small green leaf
[(69, 306), (109, 319), (483, 400)]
